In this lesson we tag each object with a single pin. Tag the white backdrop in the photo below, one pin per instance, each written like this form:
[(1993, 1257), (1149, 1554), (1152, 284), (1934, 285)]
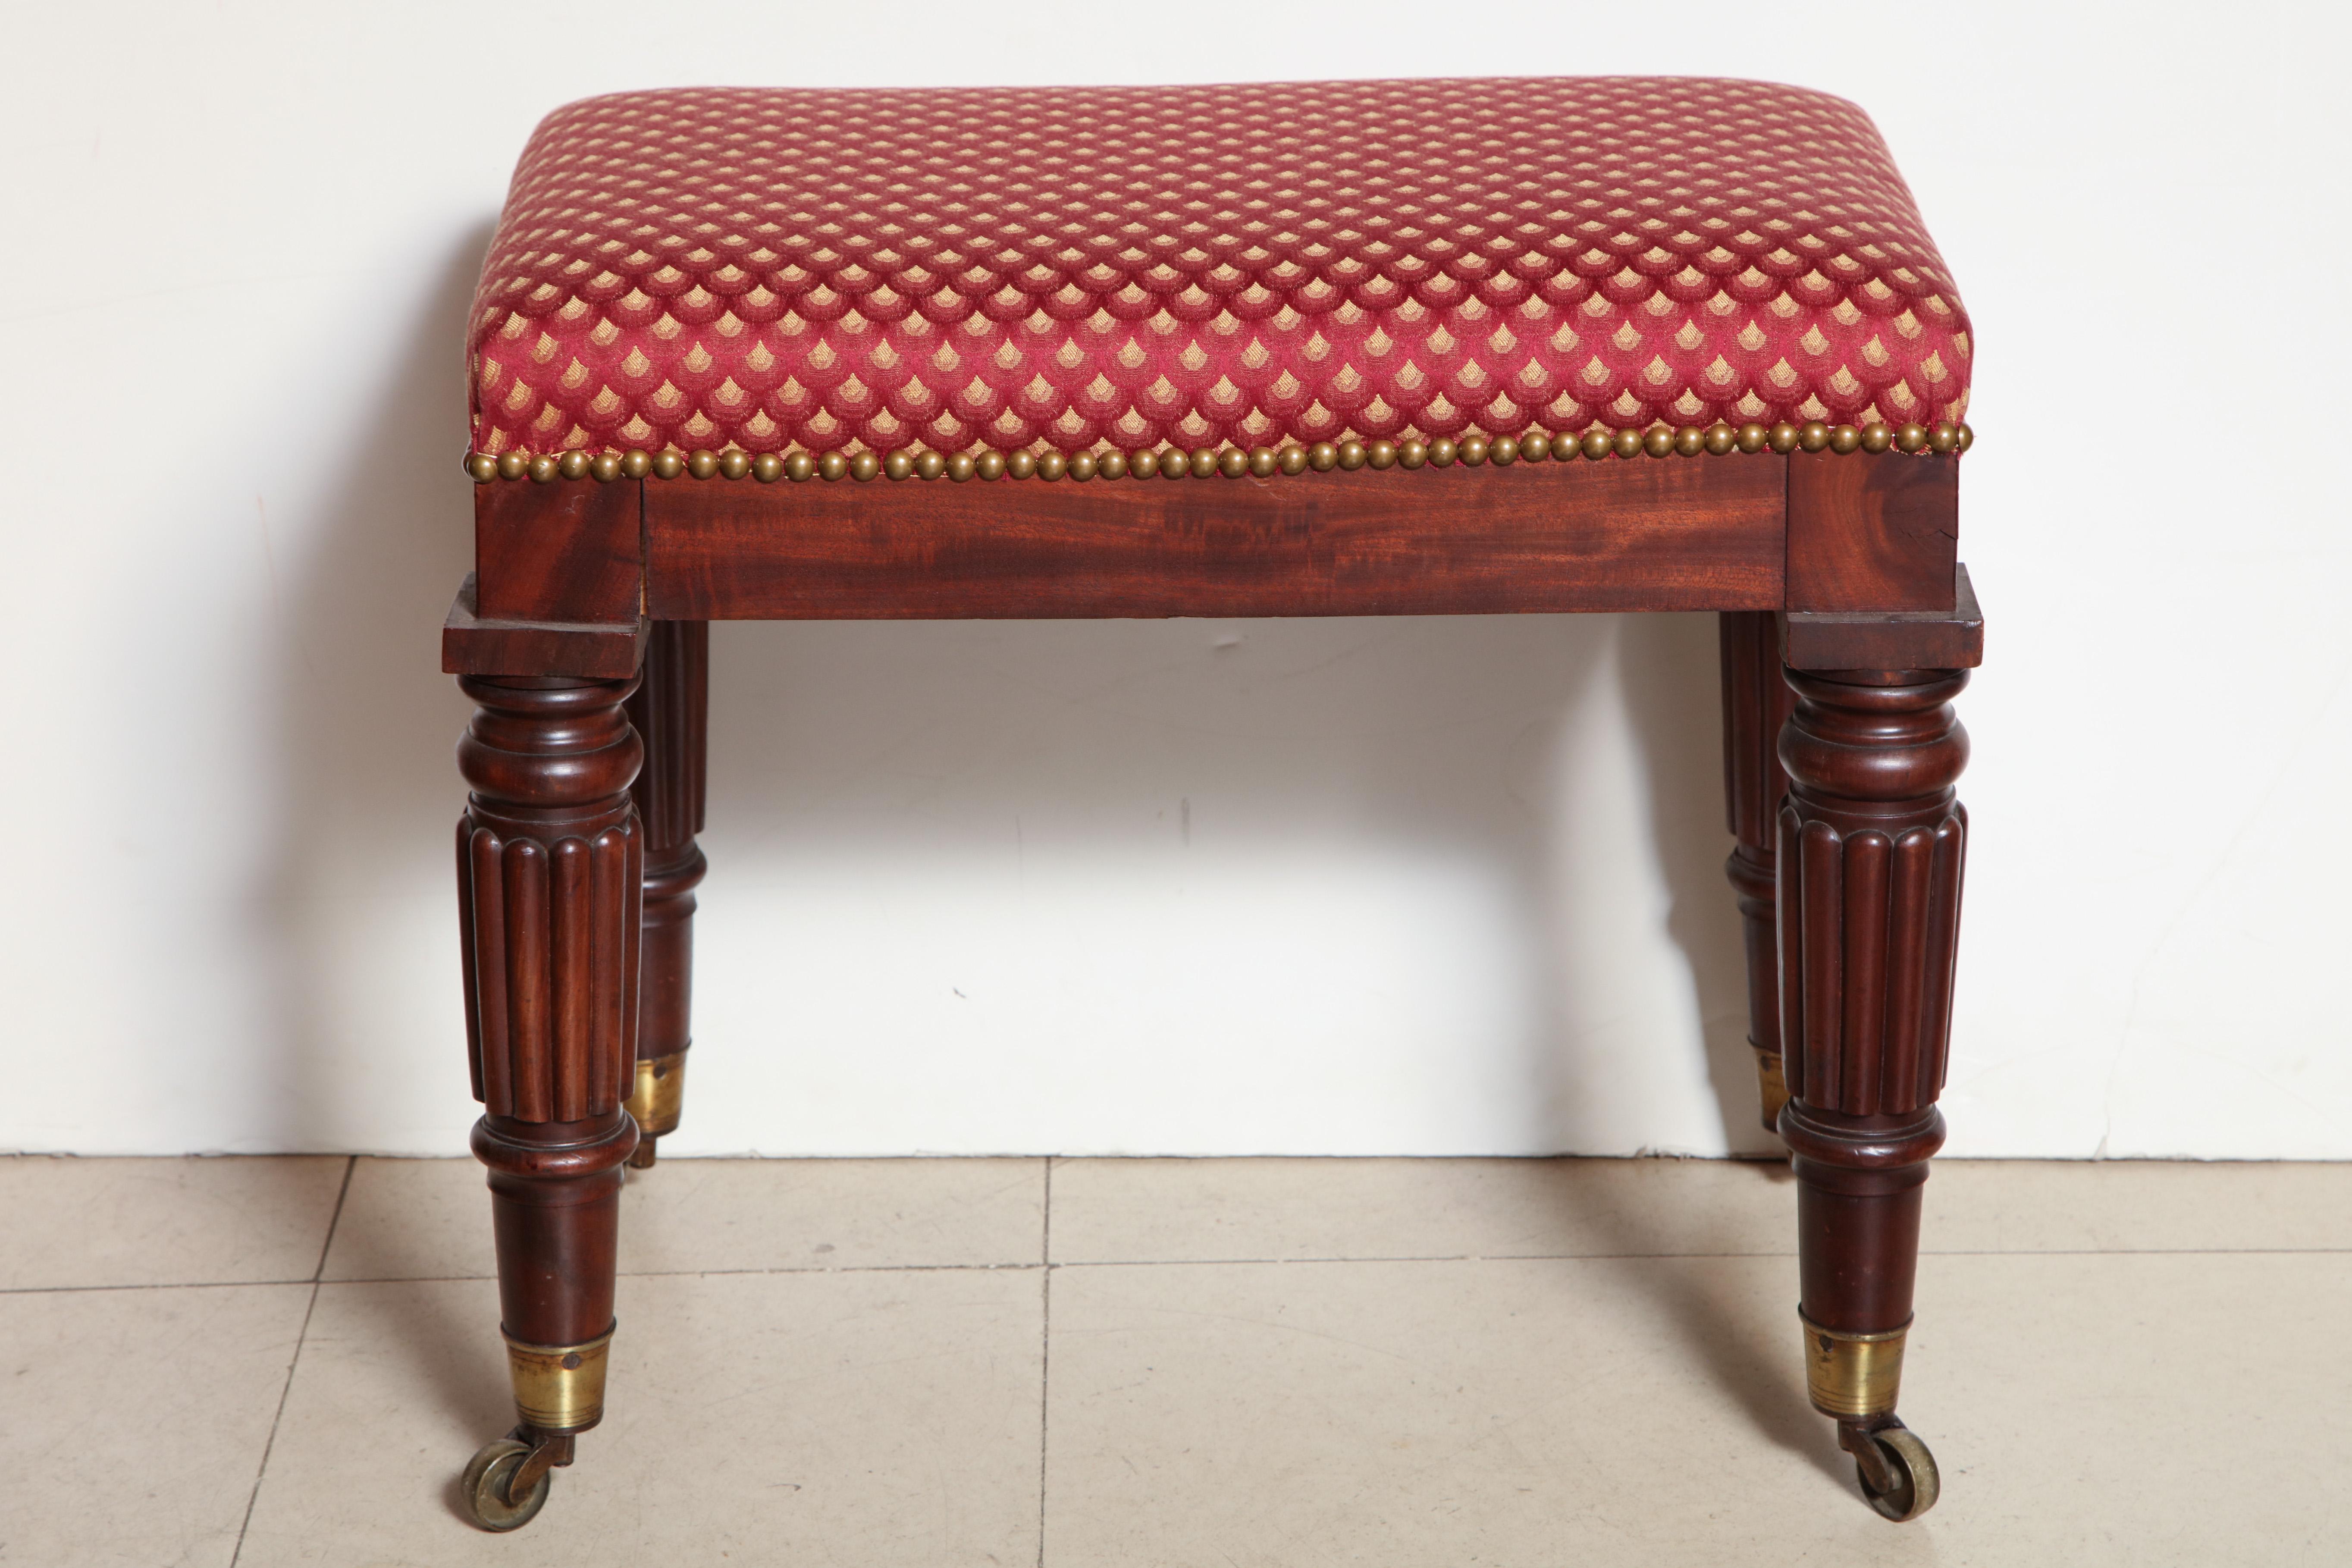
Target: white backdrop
[(1345, 886)]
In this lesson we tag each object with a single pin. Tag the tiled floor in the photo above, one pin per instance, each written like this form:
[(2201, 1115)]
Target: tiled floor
[(1243, 1362)]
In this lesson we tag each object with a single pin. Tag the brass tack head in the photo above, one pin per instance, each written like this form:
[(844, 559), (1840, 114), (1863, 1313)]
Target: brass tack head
[(1084, 466), (1204, 462), (799, 466), (1876, 436), (1352, 455), (1233, 462), (1110, 465), (1382, 454), (931, 464), (544, 468), (1053, 466), (1597, 444), (1844, 439), (899, 466), (1144, 464), (1503, 451), (1785, 436), (1911, 437), (988, 465), (668, 465), (1443, 451), (572, 464), (1020, 464), (1627, 443), (832, 465), (1812, 435), (1291, 460), (1754, 437), (702, 464), (605, 468), (1942, 437), (1533, 446), (1412, 453), (1690, 441), (1322, 457), (734, 465), (1658, 441), (767, 468), (635, 464), (865, 466), (482, 466), (1721, 438), (1963, 438), (1472, 449), (960, 466), (1175, 463), (1263, 462)]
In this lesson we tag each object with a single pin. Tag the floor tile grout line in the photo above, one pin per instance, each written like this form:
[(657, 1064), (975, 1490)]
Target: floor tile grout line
[(286, 1390), (1172, 1263), (160, 1285), (351, 1164), (1045, 1355)]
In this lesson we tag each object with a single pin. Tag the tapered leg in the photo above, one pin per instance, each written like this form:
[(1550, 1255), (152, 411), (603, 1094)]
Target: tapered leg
[(669, 711), (548, 867), (1756, 703), (1872, 840)]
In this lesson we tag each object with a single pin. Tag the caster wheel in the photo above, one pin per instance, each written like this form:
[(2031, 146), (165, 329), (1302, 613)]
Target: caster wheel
[(485, 1486), (1912, 1484)]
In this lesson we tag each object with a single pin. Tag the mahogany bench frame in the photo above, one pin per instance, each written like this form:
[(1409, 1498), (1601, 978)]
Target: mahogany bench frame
[(1847, 624)]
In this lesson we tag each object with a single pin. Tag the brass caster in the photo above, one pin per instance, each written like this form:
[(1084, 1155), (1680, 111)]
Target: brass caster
[(642, 1158), (491, 1474), (1897, 1473)]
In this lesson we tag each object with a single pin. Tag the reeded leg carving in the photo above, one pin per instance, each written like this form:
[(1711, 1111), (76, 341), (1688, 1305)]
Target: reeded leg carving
[(1756, 703), (670, 711), (1872, 840), (550, 860)]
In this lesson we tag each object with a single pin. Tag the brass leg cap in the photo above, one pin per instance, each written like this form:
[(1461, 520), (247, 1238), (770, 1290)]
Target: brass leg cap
[(1852, 1376), (559, 1388), (1772, 1087), (659, 1095)]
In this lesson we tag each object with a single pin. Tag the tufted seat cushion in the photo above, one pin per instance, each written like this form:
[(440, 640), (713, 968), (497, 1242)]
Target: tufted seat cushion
[(1116, 267)]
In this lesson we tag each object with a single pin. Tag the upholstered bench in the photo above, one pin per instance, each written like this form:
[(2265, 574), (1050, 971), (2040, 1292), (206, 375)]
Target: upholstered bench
[(1320, 349)]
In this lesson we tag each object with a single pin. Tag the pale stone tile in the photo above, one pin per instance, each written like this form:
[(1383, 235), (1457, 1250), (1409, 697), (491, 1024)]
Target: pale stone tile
[(1272, 1209), (427, 1219), (1213, 1210), (2085, 1410), (2137, 1206), (216, 1221), (868, 1418), (136, 1420)]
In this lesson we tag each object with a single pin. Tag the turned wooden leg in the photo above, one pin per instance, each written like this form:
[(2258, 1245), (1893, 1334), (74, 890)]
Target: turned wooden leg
[(1872, 840), (1756, 703), (670, 712), (549, 867)]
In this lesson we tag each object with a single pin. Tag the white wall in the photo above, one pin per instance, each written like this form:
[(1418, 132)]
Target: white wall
[(1422, 886)]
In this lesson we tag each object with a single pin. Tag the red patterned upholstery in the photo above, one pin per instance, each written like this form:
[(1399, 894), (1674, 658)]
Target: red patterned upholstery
[(1080, 268)]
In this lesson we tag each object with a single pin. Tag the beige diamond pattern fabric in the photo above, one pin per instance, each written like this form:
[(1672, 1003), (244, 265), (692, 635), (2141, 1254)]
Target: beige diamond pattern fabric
[(1095, 269)]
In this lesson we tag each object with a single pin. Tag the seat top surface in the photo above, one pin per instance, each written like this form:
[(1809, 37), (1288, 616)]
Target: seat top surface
[(1098, 269)]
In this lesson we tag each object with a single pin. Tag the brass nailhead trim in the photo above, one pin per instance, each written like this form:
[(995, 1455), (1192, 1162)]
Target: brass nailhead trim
[(1231, 463)]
